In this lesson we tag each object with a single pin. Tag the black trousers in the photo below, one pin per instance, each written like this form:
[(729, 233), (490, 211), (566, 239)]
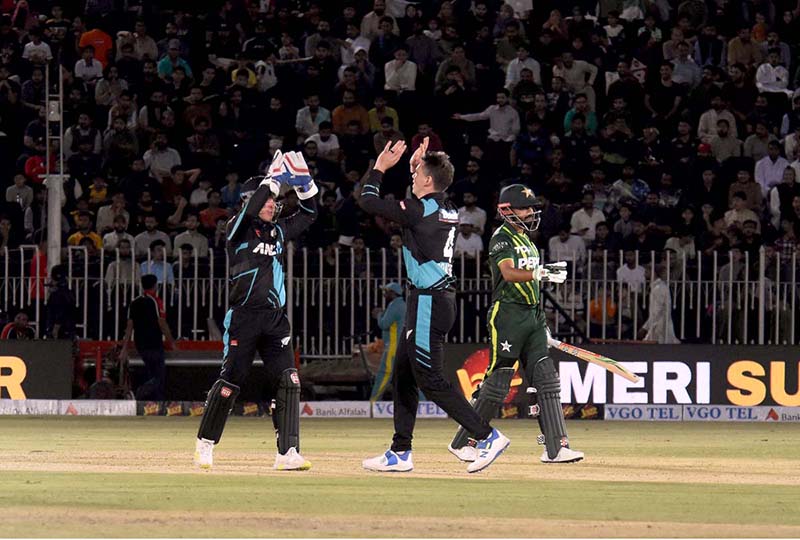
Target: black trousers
[(251, 331), (156, 370), (419, 366)]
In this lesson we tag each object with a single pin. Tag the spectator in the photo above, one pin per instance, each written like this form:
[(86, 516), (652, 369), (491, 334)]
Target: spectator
[(107, 214), (350, 111), (584, 220), (743, 50), (739, 213), (769, 169), (192, 237), (327, 143), (628, 187), (111, 240), (231, 192), (210, 215), (20, 193), (161, 158), (144, 239), (578, 76), (631, 273), (756, 146), (310, 117), (83, 130), (370, 24), (84, 230), (122, 269), (88, 69), (503, 128), (724, 145), (471, 213), (157, 264), (686, 71), (381, 111), (567, 247), (468, 243), (18, 329), (172, 60), (401, 74), (772, 77), (709, 120)]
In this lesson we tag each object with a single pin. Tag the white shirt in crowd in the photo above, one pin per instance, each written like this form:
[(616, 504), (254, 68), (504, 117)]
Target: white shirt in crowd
[(503, 122), (400, 77), (634, 277), (582, 219), (111, 240), (323, 147), (769, 173), (470, 247), (771, 78), (573, 250), (516, 66), (88, 73), (475, 216), (32, 49)]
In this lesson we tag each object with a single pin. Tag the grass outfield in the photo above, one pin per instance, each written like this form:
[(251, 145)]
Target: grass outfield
[(74, 476)]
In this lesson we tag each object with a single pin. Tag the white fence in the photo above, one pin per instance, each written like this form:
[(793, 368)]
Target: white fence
[(331, 295)]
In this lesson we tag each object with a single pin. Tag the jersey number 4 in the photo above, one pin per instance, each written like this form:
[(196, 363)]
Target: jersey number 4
[(448, 246)]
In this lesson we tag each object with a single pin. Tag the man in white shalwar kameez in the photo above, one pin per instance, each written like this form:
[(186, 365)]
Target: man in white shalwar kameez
[(659, 326)]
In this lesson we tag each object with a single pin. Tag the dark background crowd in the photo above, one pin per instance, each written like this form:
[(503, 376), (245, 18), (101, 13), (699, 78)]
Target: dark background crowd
[(649, 126)]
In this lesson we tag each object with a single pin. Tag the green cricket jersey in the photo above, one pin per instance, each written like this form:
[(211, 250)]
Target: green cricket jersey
[(508, 244)]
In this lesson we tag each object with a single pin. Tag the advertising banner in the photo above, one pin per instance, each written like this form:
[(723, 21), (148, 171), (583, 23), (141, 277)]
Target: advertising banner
[(701, 413), (425, 409), (35, 369), (76, 407), (335, 409), (743, 376)]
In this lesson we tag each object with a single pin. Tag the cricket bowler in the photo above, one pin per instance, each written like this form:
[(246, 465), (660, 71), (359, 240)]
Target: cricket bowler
[(429, 223)]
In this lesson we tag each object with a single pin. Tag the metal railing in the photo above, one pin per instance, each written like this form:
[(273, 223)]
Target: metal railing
[(331, 294)]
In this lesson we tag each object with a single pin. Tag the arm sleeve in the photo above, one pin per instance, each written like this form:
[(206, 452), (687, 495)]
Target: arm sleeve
[(404, 212), (239, 222), (477, 116), (294, 225)]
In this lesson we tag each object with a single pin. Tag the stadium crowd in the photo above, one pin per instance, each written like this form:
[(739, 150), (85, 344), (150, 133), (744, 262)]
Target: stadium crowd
[(649, 125)]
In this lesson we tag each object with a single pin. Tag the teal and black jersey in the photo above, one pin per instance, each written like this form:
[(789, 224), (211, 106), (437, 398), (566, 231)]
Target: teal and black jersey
[(429, 232), (256, 252)]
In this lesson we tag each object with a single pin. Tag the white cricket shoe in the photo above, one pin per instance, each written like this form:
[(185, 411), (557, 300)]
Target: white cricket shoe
[(204, 453), (390, 462), (467, 453), (291, 461), (488, 450), (565, 455)]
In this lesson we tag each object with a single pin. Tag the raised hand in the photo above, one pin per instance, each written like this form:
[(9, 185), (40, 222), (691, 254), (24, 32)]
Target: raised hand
[(390, 155), (416, 158)]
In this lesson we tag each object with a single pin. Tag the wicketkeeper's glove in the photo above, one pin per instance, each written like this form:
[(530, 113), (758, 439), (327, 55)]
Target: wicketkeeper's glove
[(294, 171), (553, 272)]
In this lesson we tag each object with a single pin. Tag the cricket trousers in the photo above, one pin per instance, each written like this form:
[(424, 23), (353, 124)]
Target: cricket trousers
[(419, 366), (251, 331)]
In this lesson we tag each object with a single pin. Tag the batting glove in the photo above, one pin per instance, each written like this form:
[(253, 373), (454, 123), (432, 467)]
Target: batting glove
[(552, 273)]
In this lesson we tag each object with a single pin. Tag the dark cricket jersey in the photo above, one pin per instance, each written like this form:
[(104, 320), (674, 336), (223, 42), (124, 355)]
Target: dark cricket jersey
[(429, 232), (256, 251), (508, 244)]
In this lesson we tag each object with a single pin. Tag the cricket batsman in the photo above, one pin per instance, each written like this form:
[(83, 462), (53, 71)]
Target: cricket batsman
[(429, 224), (518, 330), (256, 320)]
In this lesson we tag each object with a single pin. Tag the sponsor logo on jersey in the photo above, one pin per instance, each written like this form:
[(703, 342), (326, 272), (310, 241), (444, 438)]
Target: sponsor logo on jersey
[(285, 341), (448, 216), (266, 249)]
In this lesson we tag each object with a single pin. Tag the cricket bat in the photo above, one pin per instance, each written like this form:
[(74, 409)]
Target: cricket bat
[(588, 356)]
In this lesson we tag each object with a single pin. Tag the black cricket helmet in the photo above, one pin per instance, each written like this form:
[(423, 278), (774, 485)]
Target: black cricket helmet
[(251, 185), (519, 197)]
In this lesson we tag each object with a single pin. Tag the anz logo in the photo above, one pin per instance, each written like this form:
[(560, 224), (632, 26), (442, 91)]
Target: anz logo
[(264, 248)]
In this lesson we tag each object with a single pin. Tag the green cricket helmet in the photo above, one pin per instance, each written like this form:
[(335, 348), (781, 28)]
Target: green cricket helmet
[(519, 197)]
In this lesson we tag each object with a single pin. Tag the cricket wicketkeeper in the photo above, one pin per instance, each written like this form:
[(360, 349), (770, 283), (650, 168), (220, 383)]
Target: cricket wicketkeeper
[(518, 330), (256, 320)]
